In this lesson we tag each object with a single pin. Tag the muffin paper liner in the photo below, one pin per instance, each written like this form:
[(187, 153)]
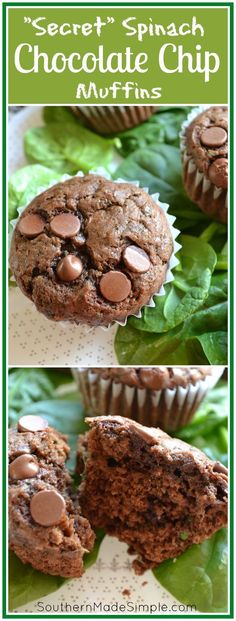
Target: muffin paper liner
[(173, 261), (169, 409), (111, 119), (201, 190)]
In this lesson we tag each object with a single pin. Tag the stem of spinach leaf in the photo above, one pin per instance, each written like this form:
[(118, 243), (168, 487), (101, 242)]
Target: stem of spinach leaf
[(209, 231), (181, 285), (221, 265)]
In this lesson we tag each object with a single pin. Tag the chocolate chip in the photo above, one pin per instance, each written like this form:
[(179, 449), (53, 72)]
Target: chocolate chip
[(214, 137), (115, 286), (65, 225), (47, 507), (32, 423), (218, 172), (23, 467), (31, 225), (136, 259), (142, 432), (219, 468), (69, 268)]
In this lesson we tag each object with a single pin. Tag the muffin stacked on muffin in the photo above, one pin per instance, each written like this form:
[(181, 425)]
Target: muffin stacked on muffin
[(112, 119), (91, 251), (165, 397), (204, 143)]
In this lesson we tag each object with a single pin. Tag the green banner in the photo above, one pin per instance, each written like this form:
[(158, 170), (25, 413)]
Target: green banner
[(118, 55)]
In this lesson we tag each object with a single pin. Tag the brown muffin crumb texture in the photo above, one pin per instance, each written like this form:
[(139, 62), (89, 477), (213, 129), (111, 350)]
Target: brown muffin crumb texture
[(46, 528), (155, 493), (96, 252)]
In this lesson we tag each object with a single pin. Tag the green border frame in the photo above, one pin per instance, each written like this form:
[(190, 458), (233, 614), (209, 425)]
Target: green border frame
[(5, 5)]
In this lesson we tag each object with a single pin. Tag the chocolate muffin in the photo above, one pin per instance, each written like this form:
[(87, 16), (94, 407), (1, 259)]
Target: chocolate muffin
[(155, 493), (204, 145), (165, 397), (46, 528), (113, 119), (91, 251)]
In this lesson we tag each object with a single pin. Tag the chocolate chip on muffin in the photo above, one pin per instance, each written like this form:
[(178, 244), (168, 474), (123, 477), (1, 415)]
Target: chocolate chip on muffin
[(46, 528), (91, 251), (205, 161)]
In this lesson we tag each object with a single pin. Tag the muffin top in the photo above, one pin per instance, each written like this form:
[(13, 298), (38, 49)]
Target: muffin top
[(154, 378), (207, 143), (90, 250)]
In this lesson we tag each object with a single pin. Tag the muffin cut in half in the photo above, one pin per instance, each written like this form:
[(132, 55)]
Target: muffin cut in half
[(46, 528), (153, 492)]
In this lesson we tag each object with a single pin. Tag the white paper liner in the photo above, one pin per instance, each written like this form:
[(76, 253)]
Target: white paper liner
[(213, 191), (174, 233), (169, 409)]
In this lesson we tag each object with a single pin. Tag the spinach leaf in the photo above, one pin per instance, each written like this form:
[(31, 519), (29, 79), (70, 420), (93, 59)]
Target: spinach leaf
[(180, 345), (158, 167), (208, 428), (27, 584), (58, 114), (199, 576), (186, 293), (189, 322), (67, 147), (26, 387), (25, 184), (162, 127)]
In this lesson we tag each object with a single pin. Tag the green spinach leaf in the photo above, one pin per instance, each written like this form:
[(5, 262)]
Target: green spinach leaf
[(162, 127), (199, 576), (67, 147), (189, 322), (27, 584), (208, 428), (25, 184), (158, 167)]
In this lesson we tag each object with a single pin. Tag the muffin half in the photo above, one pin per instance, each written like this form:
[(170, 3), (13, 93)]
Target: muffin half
[(157, 494), (46, 527)]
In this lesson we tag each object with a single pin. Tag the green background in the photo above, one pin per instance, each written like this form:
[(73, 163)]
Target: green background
[(61, 88)]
